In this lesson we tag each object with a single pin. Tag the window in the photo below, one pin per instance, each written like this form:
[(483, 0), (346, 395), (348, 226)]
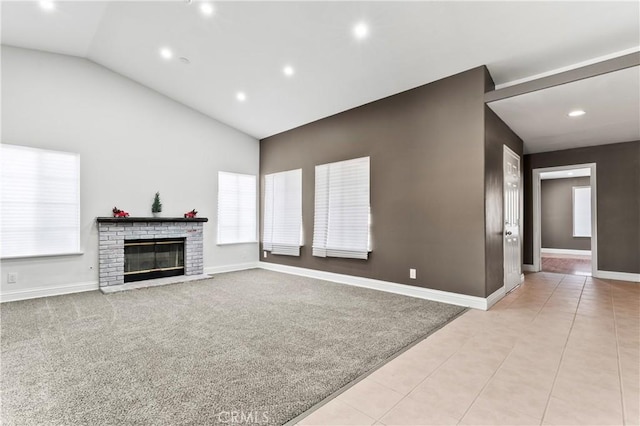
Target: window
[(582, 211), (341, 222), (236, 208), (40, 202), (283, 213)]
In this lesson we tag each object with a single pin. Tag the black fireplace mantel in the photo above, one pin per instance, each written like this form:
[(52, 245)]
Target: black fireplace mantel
[(149, 219)]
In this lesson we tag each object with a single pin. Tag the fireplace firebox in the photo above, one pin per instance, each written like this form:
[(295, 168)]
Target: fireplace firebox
[(154, 258)]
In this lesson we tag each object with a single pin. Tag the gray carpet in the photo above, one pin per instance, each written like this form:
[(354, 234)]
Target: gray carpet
[(262, 344)]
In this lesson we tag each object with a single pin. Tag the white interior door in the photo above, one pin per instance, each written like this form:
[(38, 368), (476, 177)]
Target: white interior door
[(512, 235)]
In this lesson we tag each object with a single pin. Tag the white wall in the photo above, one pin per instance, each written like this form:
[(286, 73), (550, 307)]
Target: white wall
[(132, 142)]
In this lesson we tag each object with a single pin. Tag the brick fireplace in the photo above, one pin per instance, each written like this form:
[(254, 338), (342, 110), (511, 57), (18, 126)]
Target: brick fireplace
[(114, 232)]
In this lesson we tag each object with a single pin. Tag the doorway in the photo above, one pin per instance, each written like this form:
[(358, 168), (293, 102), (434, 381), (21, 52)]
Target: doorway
[(564, 219)]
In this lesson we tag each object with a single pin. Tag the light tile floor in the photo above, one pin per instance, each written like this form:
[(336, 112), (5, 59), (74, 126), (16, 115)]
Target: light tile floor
[(560, 349)]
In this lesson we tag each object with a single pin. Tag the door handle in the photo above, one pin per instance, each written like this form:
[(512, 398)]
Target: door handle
[(508, 233)]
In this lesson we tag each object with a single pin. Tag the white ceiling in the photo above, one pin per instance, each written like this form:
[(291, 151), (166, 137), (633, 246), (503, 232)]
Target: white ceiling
[(245, 45), (564, 174), (611, 103)]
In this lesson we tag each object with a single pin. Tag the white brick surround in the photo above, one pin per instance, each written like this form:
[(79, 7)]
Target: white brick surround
[(113, 232)]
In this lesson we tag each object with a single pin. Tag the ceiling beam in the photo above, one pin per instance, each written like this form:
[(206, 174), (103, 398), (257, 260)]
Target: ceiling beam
[(588, 71)]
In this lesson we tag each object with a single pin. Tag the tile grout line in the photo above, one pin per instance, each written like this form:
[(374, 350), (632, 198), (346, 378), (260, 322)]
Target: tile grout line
[(564, 348), (413, 388), (502, 362), (485, 385), (615, 326), (350, 406), (337, 398), (498, 368), (546, 301), (369, 374), (397, 355), (534, 318), (505, 358)]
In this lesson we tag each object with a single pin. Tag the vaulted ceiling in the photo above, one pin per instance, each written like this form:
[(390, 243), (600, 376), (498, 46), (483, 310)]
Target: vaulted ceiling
[(244, 47)]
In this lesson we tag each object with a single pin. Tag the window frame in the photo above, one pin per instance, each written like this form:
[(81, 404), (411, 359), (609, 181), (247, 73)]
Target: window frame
[(323, 236), (77, 249), (575, 189), (255, 237), (268, 243)]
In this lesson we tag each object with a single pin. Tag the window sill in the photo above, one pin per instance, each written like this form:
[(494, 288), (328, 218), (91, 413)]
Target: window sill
[(37, 256), (235, 244)]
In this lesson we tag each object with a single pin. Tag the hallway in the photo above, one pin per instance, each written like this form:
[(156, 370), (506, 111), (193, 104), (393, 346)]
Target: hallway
[(566, 264)]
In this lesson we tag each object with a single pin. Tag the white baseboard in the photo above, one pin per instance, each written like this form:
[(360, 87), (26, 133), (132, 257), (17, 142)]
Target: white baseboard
[(621, 276), (33, 293), (495, 297), (407, 290), (390, 287), (528, 268), (565, 251), (231, 268)]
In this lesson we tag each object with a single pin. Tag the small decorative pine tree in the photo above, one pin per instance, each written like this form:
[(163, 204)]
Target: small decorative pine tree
[(156, 207)]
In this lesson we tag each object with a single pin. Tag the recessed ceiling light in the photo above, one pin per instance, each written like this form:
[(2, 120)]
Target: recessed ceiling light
[(166, 53), (207, 9), (576, 113), (47, 5), (360, 31), (241, 96), (288, 70)]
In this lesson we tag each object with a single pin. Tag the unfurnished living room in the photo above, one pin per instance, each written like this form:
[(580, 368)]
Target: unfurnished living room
[(320, 213)]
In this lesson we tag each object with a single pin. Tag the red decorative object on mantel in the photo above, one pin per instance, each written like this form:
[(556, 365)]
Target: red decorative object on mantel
[(191, 214), (119, 213)]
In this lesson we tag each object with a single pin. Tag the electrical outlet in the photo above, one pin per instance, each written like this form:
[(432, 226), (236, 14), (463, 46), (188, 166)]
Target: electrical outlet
[(264, 253), (412, 274), (12, 278)]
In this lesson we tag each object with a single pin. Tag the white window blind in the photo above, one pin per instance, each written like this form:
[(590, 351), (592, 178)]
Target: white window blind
[(581, 211), (341, 221), (40, 202), (236, 208), (283, 213)]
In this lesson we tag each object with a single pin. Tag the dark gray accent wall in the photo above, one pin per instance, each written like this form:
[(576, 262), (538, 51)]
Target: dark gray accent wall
[(497, 134), (617, 203), (556, 214), (427, 182)]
